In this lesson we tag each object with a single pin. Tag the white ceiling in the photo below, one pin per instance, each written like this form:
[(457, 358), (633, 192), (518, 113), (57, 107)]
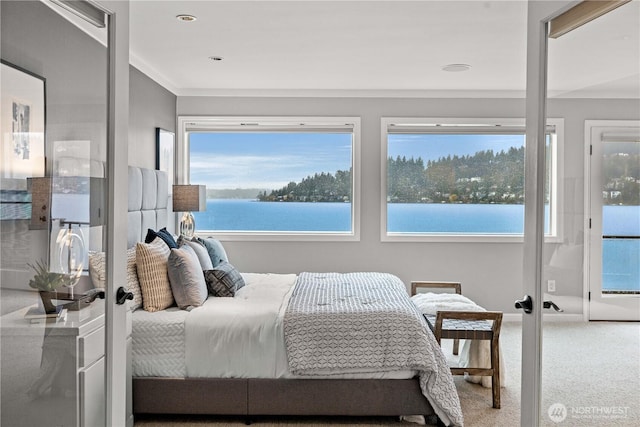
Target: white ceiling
[(375, 48)]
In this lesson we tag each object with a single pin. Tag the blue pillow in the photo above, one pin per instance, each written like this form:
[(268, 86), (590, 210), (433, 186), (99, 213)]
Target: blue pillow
[(164, 235), (215, 249)]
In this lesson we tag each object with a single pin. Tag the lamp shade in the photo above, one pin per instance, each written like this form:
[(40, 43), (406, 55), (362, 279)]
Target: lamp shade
[(40, 189), (189, 198)]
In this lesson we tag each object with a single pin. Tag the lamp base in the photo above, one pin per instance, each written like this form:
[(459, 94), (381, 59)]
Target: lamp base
[(187, 225)]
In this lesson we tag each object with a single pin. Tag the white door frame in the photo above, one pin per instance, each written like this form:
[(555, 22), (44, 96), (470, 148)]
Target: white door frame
[(116, 241), (539, 13), (613, 307)]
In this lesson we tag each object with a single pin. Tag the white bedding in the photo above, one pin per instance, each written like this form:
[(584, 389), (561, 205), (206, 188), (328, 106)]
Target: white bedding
[(240, 337), (158, 343)]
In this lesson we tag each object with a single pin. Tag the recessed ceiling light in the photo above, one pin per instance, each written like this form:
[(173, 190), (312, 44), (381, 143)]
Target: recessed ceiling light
[(186, 18), (456, 67), (215, 58)]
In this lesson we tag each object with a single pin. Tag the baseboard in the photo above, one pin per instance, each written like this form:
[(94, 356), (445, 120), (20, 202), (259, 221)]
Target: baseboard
[(551, 317)]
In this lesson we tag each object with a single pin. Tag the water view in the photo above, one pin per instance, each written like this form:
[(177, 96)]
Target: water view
[(620, 256)]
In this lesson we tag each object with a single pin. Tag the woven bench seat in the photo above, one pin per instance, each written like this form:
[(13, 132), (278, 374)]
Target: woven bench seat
[(462, 328)]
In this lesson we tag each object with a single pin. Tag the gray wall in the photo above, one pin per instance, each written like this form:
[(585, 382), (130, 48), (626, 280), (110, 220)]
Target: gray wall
[(491, 273), (150, 106)]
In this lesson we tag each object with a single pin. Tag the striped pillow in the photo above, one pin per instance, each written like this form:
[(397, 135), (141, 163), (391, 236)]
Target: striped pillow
[(151, 264)]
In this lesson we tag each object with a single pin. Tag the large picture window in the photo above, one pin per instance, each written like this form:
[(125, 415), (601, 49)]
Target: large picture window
[(275, 178), (460, 179)]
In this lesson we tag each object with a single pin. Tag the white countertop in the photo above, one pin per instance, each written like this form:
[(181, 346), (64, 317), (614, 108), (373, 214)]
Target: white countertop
[(77, 322)]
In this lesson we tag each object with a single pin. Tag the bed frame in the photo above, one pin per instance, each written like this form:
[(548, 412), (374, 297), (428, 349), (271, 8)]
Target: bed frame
[(148, 208), (253, 397)]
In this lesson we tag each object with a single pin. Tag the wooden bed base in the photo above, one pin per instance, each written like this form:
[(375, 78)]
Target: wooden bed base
[(254, 397)]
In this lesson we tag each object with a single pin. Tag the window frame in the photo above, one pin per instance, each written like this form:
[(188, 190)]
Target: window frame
[(284, 123), (556, 179)]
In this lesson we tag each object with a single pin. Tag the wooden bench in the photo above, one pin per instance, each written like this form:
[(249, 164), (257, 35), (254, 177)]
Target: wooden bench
[(467, 325)]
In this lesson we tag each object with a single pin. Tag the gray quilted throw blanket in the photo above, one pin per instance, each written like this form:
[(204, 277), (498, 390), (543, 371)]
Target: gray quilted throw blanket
[(365, 322)]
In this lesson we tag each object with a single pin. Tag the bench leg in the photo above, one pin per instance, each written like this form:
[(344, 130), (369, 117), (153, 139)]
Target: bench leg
[(456, 346), (495, 378)]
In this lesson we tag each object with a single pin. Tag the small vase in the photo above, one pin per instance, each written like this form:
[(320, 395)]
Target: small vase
[(47, 303)]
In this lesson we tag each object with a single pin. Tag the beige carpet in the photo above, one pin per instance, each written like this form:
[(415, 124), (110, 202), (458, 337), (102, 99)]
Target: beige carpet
[(591, 372)]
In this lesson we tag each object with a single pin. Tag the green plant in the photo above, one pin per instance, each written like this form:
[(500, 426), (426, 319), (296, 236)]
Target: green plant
[(45, 280)]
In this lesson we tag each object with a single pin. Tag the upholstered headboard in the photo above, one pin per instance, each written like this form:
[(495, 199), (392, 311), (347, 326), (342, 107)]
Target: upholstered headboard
[(148, 202)]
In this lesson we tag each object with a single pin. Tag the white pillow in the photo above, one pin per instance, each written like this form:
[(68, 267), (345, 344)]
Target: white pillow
[(97, 272), (97, 269), (133, 285)]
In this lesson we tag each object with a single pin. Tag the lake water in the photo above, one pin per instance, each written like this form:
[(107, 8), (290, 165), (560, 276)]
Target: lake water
[(235, 215), (620, 256)]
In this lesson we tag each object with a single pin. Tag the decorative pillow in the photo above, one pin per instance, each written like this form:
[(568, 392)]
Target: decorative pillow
[(98, 269), (199, 249), (97, 272), (151, 265), (224, 280), (186, 278), (216, 251), (163, 234), (133, 285)]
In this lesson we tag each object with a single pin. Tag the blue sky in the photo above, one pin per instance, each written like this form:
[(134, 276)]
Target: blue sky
[(265, 160), (272, 160), (433, 147)]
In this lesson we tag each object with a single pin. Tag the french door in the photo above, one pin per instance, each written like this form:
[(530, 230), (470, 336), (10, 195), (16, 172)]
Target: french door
[(65, 68), (613, 206), (557, 406)]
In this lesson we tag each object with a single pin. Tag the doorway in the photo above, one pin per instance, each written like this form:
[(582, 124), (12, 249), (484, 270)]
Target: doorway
[(613, 209)]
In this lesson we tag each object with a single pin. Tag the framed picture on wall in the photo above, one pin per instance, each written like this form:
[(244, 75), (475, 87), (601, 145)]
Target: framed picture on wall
[(22, 127), (165, 143)]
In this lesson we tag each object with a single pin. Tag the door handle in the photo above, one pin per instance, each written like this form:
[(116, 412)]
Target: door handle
[(525, 304), (549, 304), (122, 295)]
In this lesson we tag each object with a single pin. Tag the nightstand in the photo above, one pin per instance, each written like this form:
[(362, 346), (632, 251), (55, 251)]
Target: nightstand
[(53, 373)]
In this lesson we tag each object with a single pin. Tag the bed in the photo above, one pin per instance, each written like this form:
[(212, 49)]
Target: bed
[(182, 364)]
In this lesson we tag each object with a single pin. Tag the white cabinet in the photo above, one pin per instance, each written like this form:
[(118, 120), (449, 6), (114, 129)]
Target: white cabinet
[(54, 373), (92, 395)]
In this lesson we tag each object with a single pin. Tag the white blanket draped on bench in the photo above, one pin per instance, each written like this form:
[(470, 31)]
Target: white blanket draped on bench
[(475, 353)]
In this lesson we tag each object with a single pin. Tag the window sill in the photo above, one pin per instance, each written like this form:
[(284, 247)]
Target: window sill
[(279, 236), (459, 238)]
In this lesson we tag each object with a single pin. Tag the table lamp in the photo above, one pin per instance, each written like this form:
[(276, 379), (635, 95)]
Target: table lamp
[(187, 199)]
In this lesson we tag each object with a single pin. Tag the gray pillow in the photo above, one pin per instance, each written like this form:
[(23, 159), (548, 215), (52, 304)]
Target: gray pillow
[(199, 249), (224, 280), (215, 249), (185, 276)]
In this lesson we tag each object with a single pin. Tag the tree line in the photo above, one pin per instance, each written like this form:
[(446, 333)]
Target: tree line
[(485, 177), (321, 187)]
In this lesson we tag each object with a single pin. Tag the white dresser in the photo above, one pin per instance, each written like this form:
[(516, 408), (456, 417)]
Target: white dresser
[(53, 373)]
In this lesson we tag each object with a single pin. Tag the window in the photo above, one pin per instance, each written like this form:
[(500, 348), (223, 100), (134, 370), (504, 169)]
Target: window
[(275, 178), (460, 179)]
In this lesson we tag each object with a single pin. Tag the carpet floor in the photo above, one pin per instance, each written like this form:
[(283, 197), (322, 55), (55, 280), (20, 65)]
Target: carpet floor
[(591, 377)]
